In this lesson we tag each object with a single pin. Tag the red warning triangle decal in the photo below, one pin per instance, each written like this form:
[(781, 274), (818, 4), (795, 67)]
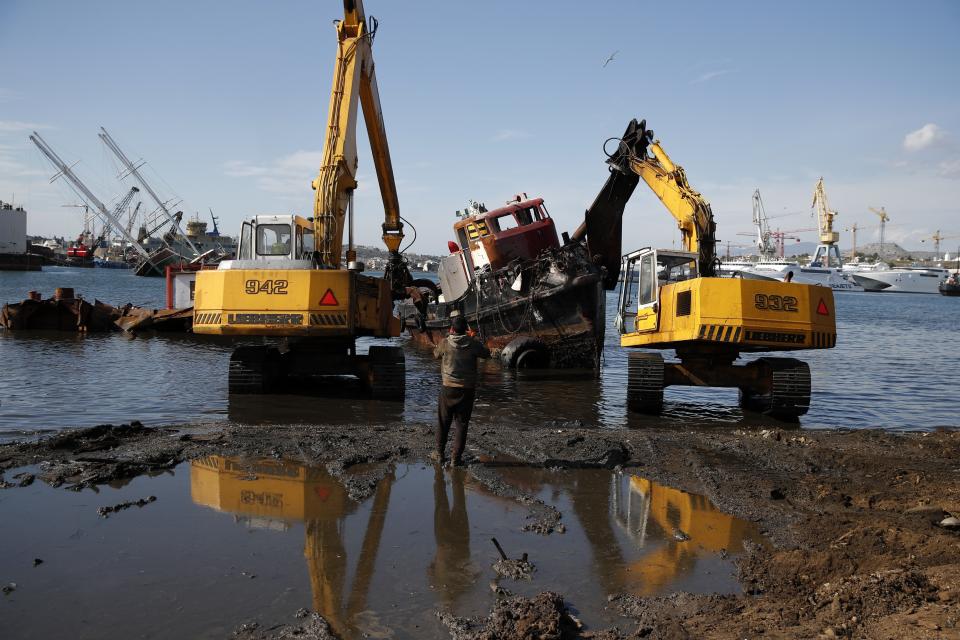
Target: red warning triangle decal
[(821, 308), (330, 300)]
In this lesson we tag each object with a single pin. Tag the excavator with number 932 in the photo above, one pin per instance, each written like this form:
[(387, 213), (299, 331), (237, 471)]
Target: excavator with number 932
[(674, 299), (288, 284)]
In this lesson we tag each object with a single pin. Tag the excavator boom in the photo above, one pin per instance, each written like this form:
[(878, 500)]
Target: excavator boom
[(354, 83)]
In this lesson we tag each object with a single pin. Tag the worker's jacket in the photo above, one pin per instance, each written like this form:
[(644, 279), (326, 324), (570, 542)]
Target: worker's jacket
[(460, 353)]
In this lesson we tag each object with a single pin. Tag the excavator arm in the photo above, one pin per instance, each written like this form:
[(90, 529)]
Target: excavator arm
[(354, 82), (638, 156), (691, 211)]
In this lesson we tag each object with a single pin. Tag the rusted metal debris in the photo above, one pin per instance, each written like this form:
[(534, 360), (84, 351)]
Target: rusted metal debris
[(67, 312)]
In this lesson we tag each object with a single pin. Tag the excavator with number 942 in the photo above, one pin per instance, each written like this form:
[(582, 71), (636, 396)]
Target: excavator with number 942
[(672, 299), (288, 284)]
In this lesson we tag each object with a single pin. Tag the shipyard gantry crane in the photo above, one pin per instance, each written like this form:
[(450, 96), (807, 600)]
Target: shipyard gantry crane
[(675, 300), (288, 282), (828, 251)]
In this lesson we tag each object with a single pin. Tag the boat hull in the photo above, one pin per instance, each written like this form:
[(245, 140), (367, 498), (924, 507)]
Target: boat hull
[(561, 313)]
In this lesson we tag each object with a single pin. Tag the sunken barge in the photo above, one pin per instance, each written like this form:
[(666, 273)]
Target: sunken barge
[(534, 302)]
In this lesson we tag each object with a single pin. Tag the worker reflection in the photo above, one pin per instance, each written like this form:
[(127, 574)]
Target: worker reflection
[(459, 353), (788, 277), (451, 572)]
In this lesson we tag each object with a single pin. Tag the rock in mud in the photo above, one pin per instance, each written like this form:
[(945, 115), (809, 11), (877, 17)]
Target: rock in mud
[(104, 512), (951, 523), (544, 616), (9, 588), (514, 569), (309, 626)]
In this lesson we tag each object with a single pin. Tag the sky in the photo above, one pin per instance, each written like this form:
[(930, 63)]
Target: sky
[(484, 100)]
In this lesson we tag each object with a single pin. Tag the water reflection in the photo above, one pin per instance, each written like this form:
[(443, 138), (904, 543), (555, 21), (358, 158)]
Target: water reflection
[(451, 570), (643, 537), (272, 493)]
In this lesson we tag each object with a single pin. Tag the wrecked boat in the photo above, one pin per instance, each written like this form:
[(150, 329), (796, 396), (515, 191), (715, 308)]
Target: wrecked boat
[(67, 311), (533, 301)]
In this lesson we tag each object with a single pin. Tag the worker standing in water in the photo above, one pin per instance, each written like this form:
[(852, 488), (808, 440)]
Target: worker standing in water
[(459, 353), (788, 277)]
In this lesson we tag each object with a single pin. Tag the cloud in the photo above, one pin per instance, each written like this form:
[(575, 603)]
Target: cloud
[(288, 175), (710, 75), (950, 169), (927, 136), (8, 95), (510, 134)]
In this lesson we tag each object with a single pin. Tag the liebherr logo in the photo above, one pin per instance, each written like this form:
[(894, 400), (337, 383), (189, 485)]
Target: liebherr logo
[(773, 336)]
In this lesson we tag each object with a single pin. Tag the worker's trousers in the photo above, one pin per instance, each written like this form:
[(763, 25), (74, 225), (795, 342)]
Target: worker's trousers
[(456, 405)]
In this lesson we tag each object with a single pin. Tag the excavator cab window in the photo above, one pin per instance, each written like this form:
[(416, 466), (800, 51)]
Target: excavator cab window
[(273, 239), (643, 273), (245, 251)]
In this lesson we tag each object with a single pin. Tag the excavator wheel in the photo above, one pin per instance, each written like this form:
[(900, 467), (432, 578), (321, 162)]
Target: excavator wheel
[(645, 382), (789, 396), (254, 370), (387, 373)]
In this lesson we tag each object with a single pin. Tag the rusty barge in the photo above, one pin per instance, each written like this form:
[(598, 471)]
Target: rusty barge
[(535, 303)]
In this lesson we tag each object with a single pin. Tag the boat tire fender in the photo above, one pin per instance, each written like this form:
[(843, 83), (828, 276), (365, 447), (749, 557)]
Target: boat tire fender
[(525, 352)]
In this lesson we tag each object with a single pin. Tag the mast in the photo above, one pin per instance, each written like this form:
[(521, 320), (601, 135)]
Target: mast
[(81, 190), (134, 171)]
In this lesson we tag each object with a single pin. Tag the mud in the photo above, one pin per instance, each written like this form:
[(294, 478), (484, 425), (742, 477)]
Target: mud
[(852, 518)]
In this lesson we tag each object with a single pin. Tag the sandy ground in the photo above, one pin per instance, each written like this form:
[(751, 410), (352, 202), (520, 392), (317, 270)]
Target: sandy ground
[(853, 517)]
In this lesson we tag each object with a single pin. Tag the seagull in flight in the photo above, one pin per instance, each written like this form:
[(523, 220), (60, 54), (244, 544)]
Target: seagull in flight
[(610, 59)]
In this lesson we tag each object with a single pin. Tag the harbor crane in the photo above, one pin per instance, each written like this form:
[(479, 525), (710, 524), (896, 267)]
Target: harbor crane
[(884, 218), (828, 252), (108, 218), (764, 247), (134, 170), (937, 237), (289, 284)]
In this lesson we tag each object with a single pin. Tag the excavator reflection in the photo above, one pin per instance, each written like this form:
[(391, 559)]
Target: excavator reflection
[(671, 528), (271, 493)]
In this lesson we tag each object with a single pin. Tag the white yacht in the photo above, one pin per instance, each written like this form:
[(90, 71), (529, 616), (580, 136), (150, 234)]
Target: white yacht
[(821, 276), (902, 279), (732, 268)]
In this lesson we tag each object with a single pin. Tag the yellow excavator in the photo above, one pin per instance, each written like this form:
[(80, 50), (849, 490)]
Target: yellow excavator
[(673, 299), (289, 282)]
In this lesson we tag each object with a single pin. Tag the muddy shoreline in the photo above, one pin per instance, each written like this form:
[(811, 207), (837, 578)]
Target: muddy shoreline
[(856, 548)]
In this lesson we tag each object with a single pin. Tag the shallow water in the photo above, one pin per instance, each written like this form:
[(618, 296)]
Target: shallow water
[(894, 367), (230, 541)]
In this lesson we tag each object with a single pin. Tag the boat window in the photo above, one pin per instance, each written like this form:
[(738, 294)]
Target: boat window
[(525, 216), (544, 214), (245, 252), (273, 239), (504, 223), (462, 236)]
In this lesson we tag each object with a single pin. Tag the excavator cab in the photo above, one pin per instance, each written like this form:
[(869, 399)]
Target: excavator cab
[(644, 272), (274, 239)]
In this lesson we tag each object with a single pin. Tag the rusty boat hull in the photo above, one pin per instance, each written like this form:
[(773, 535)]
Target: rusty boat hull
[(545, 313)]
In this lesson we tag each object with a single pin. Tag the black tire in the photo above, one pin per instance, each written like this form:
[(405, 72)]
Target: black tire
[(645, 375), (789, 384), (254, 370), (431, 288), (386, 373), (525, 352)]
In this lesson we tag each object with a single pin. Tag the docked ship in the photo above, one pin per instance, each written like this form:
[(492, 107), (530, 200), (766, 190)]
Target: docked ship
[(533, 301), (902, 279)]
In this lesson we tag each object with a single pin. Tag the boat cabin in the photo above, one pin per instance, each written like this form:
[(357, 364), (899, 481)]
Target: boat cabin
[(520, 230), (286, 242)]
